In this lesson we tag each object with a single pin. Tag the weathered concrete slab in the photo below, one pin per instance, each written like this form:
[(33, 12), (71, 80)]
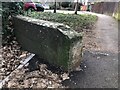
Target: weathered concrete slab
[(54, 42)]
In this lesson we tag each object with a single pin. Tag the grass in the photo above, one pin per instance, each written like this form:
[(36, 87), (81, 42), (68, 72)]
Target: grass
[(77, 22)]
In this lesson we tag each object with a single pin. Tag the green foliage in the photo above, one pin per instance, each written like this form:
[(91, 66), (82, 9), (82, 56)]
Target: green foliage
[(9, 9), (0, 8), (65, 4), (77, 22)]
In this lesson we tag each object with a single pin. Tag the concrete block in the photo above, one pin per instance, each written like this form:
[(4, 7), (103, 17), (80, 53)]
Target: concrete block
[(54, 42)]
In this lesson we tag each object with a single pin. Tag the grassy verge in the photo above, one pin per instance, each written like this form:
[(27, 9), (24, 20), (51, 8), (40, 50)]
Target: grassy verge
[(77, 22)]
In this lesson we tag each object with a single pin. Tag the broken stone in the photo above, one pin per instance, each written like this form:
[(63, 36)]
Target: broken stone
[(98, 57), (65, 76)]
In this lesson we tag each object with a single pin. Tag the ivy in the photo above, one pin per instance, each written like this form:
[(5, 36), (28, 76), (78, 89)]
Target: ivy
[(9, 9)]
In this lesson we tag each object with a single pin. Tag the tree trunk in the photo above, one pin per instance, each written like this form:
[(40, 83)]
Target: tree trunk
[(76, 7), (55, 7)]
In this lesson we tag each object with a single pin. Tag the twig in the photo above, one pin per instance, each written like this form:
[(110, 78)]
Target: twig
[(20, 66)]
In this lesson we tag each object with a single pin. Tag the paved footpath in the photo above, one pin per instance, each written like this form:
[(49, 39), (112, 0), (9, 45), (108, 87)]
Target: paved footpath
[(100, 66)]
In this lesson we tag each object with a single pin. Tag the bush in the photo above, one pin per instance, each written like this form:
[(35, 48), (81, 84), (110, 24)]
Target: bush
[(65, 4), (77, 22)]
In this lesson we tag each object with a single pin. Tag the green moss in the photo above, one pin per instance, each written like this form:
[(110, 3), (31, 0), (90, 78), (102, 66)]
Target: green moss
[(117, 16), (63, 53)]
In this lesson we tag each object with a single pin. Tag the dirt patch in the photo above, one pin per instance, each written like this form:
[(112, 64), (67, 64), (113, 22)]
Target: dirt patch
[(89, 40)]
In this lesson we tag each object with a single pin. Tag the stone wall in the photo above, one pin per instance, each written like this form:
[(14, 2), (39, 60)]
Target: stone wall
[(56, 43)]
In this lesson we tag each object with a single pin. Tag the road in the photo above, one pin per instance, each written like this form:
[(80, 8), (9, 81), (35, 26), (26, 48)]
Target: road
[(100, 65)]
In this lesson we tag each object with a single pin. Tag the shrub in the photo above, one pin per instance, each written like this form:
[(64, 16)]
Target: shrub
[(65, 4)]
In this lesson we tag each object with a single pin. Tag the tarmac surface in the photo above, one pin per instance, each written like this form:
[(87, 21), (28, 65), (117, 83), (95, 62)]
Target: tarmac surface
[(100, 66)]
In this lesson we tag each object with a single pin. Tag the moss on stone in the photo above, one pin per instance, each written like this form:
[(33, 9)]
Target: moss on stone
[(48, 40)]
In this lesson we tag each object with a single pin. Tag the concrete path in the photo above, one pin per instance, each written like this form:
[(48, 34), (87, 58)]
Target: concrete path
[(100, 65), (69, 12)]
